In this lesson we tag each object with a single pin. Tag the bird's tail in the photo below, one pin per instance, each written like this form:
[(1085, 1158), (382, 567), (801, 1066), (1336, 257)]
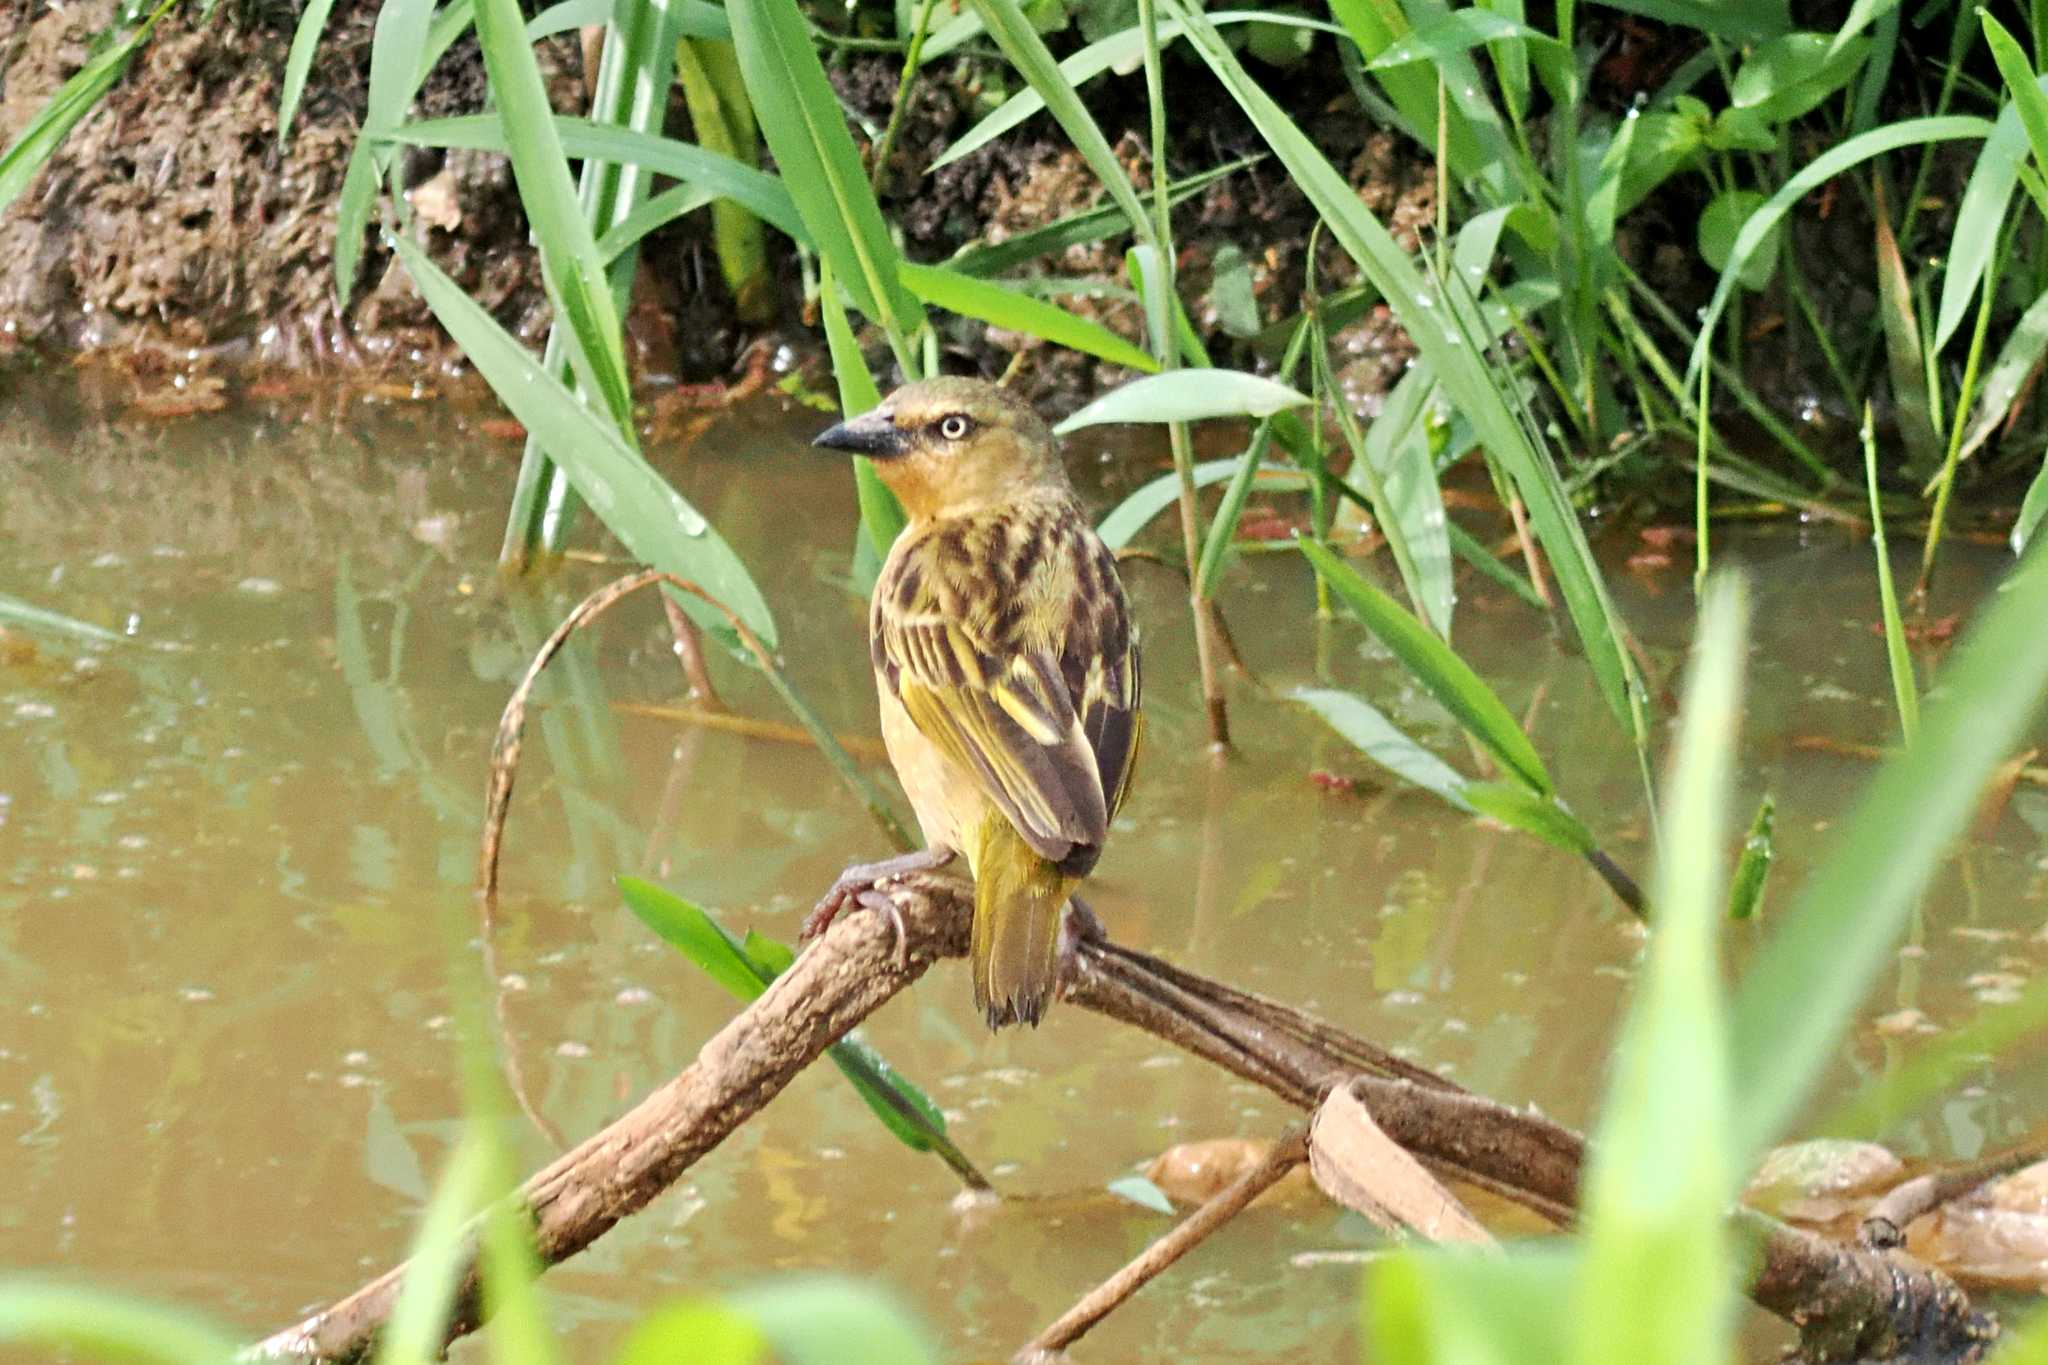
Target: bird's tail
[(1018, 898)]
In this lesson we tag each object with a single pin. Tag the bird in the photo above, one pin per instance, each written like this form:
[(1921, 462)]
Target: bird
[(1006, 669)]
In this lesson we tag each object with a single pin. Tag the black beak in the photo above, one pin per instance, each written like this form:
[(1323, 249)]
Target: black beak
[(873, 434)]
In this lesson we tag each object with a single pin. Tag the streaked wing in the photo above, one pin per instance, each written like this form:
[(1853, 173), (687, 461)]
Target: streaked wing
[(1008, 643)]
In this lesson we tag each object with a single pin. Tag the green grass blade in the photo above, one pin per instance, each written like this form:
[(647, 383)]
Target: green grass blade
[(1001, 307), (1380, 740), (1801, 990), (48, 1315), (829, 1321), (2007, 377), (1467, 382), (678, 201), (1747, 21), (1938, 1066), (1187, 396), (1905, 690), (298, 61), (1980, 215), (2032, 510), (14, 611), (1438, 668), (1543, 816), (759, 192), (2021, 83), (578, 283), (1905, 360), (1076, 229), (1118, 50), (744, 969), (806, 129), (1753, 867), (1823, 168), (1660, 1177), (1019, 40), (1393, 461), (417, 1329), (881, 515), (76, 98), (650, 519), (1136, 511)]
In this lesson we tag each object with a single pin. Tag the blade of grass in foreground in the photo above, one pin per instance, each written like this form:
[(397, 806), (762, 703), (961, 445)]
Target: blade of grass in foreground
[(1801, 990), (1659, 1177), (45, 1315)]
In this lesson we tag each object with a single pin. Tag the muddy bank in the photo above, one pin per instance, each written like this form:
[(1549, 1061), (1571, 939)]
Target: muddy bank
[(172, 236), (171, 231)]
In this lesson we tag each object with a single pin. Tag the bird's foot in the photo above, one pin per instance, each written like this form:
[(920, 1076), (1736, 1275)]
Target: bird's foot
[(861, 884), (1077, 926)]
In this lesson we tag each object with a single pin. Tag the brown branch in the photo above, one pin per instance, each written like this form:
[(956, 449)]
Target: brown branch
[(1849, 1303), (1097, 1304)]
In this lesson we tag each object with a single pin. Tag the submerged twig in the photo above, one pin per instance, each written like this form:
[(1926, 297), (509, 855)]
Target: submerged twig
[(1884, 1225), (1097, 1304)]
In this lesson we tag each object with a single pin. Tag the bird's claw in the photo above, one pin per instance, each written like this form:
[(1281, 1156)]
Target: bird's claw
[(862, 885)]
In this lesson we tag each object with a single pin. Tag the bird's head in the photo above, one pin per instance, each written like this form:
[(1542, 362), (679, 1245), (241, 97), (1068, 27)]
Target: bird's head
[(951, 446)]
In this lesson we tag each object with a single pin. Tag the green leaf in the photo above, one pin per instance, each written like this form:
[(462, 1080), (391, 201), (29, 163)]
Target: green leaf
[(881, 515), (1076, 229), (744, 969), (1753, 867), (1187, 396), (658, 212), (570, 264), (1791, 75), (14, 611), (1001, 307), (1230, 293), (1136, 511), (74, 99), (1014, 34), (806, 130), (1141, 1192), (1741, 21), (48, 1315), (1438, 668), (1359, 721), (1543, 816), (1468, 383), (1905, 688), (2021, 83), (1940, 1064), (1659, 1175), (759, 192), (2007, 377), (1980, 217), (1904, 357), (1802, 989), (298, 61), (1440, 1307), (655, 524), (415, 1333), (2031, 511), (1456, 31), (1397, 451), (1823, 168), (1720, 222)]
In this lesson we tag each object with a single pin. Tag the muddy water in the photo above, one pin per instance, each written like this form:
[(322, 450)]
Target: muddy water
[(230, 842)]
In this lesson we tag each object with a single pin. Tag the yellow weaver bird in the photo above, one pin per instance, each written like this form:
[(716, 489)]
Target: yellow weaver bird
[(1007, 673)]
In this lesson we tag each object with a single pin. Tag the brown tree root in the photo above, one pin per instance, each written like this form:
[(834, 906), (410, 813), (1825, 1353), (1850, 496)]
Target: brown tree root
[(1849, 1303)]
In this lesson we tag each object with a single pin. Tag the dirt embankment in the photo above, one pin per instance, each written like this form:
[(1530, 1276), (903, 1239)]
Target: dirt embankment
[(171, 230)]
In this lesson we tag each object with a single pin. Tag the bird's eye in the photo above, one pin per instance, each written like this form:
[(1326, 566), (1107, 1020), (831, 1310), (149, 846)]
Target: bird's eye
[(955, 426)]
